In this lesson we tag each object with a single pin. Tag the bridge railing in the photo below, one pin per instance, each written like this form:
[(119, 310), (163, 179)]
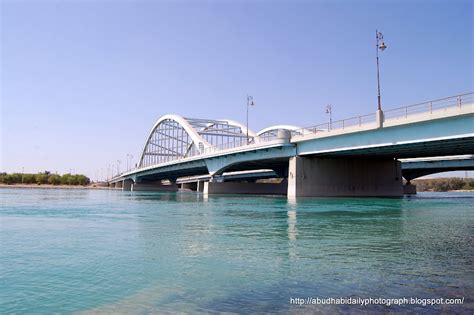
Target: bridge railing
[(347, 123), (254, 142), (429, 107), (405, 112)]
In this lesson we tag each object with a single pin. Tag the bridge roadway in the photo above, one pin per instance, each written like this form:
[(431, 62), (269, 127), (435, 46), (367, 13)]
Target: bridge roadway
[(352, 157)]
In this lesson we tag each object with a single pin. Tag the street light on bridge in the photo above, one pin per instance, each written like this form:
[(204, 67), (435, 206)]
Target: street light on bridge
[(380, 44), (329, 111), (129, 161), (250, 102)]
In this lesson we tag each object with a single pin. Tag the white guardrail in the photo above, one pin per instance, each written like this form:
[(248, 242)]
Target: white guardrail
[(405, 112)]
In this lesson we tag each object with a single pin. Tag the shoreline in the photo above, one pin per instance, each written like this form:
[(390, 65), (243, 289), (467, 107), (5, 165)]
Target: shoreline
[(49, 186), (93, 186)]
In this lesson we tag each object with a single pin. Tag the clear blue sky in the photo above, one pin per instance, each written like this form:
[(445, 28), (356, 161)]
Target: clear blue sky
[(82, 82)]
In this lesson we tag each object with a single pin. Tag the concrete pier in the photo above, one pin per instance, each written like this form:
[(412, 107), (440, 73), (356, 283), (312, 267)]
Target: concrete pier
[(344, 177), (409, 189), (245, 188), (189, 186), (127, 185), (200, 186), (153, 187)]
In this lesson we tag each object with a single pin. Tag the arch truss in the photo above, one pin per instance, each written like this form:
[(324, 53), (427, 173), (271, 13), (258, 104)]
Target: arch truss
[(271, 133), (174, 137)]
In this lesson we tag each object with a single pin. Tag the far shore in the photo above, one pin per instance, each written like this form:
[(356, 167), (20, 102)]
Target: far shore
[(49, 186), (100, 186)]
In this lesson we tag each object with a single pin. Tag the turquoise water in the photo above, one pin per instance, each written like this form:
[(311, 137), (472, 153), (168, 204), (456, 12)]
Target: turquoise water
[(105, 251)]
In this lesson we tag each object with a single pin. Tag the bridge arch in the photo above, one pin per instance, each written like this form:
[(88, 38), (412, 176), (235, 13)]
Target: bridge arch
[(174, 137), (271, 132)]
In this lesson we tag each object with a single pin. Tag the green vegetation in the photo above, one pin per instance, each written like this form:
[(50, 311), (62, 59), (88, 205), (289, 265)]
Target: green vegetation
[(444, 184), (44, 178)]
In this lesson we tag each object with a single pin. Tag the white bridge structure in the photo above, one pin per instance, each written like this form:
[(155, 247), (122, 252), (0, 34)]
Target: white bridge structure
[(359, 156)]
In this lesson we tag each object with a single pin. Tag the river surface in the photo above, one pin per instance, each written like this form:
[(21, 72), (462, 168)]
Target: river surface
[(101, 251)]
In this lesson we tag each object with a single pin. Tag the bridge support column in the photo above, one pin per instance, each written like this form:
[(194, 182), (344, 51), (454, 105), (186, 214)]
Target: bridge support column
[(344, 177), (245, 188), (409, 189), (153, 187), (127, 185), (200, 186), (189, 186)]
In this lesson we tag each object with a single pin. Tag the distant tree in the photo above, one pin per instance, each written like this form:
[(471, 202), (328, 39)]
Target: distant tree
[(8, 179), (54, 179), (83, 180), (44, 178), (41, 178), (16, 177), (470, 183), (73, 180), (443, 184), (65, 179), (456, 183), (29, 179)]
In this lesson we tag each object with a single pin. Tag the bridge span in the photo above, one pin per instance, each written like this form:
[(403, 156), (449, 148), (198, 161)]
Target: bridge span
[(359, 156)]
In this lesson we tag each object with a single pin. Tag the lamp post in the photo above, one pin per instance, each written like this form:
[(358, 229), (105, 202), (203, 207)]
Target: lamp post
[(329, 111), (380, 44), (129, 162), (250, 102)]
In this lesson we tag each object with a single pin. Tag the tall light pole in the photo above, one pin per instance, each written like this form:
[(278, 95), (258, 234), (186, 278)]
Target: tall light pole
[(379, 45), (250, 102), (329, 111), (129, 162)]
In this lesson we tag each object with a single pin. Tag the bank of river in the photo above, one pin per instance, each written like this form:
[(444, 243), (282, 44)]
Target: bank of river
[(49, 186)]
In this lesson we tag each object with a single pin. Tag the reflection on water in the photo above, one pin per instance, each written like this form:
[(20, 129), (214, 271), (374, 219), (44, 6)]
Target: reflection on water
[(118, 252)]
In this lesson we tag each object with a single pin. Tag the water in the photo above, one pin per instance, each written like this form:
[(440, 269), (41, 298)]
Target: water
[(99, 251)]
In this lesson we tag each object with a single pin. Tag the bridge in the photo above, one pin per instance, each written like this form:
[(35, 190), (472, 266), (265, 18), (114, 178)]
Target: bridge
[(359, 156)]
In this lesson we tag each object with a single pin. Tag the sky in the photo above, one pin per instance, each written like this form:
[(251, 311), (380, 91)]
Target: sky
[(82, 82)]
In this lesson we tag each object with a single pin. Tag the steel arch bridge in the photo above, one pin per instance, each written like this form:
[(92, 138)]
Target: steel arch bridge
[(174, 137), (371, 146)]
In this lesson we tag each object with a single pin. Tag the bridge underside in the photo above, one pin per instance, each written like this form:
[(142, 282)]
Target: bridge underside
[(280, 166), (442, 147), (412, 174), (173, 175), (419, 168)]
